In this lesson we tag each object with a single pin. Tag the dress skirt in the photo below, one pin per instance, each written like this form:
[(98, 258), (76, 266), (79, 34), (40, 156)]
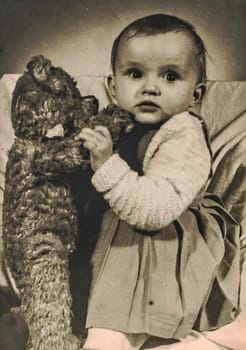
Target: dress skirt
[(165, 283)]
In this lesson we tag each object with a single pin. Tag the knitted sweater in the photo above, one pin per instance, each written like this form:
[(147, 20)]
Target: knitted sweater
[(176, 167)]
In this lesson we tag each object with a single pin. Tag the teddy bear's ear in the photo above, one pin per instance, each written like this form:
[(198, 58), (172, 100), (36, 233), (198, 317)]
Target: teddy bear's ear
[(90, 104)]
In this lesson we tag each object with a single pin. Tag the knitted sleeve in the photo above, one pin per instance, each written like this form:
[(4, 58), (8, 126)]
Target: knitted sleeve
[(176, 167)]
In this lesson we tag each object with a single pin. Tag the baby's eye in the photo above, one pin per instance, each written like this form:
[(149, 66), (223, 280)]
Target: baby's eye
[(170, 76), (134, 73)]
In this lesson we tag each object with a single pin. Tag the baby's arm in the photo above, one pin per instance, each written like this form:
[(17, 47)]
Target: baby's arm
[(172, 178)]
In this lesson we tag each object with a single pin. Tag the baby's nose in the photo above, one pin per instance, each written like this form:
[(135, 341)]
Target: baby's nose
[(151, 87)]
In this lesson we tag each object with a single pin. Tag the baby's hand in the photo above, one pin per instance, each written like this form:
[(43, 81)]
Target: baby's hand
[(99, 142)]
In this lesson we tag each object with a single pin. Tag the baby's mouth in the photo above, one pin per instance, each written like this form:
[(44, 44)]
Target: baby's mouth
[(148, 106)]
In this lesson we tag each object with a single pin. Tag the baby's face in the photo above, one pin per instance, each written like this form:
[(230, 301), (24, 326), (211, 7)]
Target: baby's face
[(155, 76)]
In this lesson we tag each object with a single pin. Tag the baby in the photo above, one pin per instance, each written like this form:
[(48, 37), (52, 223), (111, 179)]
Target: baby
[(161, 241)]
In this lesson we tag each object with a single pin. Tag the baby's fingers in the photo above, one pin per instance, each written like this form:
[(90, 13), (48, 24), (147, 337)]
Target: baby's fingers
[(90, 145), (83, 135), (90, 134), (103, 131), (90, 140)]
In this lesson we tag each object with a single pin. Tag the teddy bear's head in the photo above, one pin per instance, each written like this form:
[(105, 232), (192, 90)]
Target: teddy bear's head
[(47, 103)]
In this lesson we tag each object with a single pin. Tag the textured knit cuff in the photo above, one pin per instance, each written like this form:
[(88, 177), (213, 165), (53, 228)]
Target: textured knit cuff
[(110, 173)]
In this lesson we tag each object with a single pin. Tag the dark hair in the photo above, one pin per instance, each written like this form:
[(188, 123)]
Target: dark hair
[(158, 24)]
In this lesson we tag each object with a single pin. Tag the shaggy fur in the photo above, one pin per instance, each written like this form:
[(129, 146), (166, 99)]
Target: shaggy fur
[(40, 211)]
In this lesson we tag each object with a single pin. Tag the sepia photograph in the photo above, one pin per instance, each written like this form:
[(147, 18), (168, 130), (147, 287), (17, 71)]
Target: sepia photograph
[(122, 175)]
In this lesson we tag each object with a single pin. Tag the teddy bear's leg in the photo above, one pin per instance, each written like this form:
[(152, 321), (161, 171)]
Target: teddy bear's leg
[(45, 294)]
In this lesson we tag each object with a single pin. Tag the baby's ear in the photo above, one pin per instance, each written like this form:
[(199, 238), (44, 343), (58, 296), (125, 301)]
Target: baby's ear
[(198, 93), (110, 86)]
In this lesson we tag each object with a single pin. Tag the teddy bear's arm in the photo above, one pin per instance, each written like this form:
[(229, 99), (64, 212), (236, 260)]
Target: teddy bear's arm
[(59, 157)]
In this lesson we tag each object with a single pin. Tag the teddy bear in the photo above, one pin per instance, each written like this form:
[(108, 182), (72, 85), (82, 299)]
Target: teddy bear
[(41, 205)]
